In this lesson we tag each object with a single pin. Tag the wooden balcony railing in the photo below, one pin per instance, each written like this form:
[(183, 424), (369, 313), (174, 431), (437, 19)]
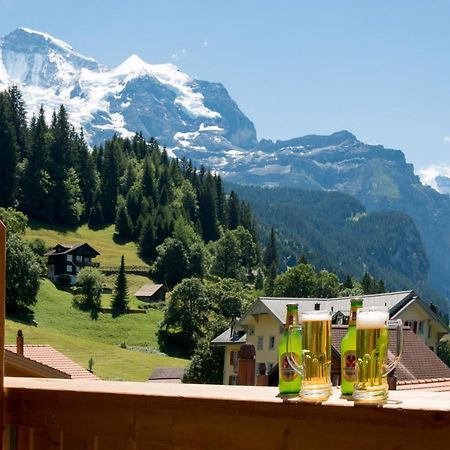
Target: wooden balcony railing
[(55, 414)]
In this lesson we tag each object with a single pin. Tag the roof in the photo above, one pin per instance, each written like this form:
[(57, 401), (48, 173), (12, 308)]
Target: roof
[(48, 356), (167, 373), (68, 248), (277, 305), (418, 362), (148, 290), (230, 337)]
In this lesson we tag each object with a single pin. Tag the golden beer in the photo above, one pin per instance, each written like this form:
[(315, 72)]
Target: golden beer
[(372, 368), (315, 367), (316, 339)]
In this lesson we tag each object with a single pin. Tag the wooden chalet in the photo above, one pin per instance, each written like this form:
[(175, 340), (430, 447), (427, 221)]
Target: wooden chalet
[(64, 261), (151, 293)]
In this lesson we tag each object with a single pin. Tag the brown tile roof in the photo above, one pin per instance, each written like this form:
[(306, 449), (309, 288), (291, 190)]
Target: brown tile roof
[(418, 362), (48, 356), (148, 290)]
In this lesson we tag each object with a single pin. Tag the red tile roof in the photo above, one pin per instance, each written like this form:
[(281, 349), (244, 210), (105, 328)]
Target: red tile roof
[(418, 362), (50, 357)]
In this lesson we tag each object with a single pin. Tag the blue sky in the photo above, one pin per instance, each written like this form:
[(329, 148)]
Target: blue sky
[(378, 69)]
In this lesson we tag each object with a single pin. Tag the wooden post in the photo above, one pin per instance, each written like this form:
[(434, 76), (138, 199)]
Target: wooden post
[(2, 320)]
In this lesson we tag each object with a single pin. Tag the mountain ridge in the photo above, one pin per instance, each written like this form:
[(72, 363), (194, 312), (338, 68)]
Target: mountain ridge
[(199, 120)]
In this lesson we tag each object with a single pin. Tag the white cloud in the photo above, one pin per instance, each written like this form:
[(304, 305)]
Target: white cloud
[(205, 43), (447, 138), (174, 55), (428, 174), (183, 50)]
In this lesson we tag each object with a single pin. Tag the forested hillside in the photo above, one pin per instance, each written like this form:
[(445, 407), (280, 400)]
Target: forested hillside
[(49, 173), (334, 231)]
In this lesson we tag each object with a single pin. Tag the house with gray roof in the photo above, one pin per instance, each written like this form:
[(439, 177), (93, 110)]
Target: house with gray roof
[(263, 323)]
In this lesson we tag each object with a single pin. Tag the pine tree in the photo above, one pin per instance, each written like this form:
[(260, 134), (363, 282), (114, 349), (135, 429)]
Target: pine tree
[(86, 170), (271, 253), (96, 219), (8, 155), (147, 240), (110, 179), (208, 212), (348, 283), (233, 211), (124, 227), (19, 121), (269, 284), (72, 206), (221, 201), (37, 184), (119, 302), (259, 280)]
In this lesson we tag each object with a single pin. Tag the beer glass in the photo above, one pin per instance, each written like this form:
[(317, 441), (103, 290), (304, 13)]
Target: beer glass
[(315, 366), (372, 367)]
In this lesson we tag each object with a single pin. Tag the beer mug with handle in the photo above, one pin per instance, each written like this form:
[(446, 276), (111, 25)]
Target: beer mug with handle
[(315, 364), (372, 366)]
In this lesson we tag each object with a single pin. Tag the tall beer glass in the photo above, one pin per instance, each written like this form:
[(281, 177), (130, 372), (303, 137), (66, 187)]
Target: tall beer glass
[(315, 367), (372, 367)]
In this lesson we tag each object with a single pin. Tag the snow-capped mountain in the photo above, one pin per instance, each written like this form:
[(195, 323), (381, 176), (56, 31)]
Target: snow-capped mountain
[(158, 100)]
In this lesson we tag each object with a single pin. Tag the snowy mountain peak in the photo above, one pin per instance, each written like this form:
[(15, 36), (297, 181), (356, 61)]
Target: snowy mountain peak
[(157, 99), (51, 40), (33, 58), (132, 63)]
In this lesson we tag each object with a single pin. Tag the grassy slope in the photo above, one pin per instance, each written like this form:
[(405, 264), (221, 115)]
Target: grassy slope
[(102, 240), (74, 333)]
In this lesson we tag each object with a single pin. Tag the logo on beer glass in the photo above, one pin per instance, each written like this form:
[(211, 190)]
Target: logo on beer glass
[(372, 366), (315, 366)]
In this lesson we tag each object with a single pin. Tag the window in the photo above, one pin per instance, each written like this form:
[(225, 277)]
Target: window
[(429, 330), (251, 331), (269, 367), (420, 328), (281, 329), (69, 268), (411, 324), (69, 258), (260, 343), (271, 342)]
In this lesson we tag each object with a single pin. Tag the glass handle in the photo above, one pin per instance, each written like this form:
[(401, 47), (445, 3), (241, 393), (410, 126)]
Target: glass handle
[(290, 355), (399, 331)]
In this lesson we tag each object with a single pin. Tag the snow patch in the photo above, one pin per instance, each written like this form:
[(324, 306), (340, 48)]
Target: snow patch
[(271, 169), (203, 127)]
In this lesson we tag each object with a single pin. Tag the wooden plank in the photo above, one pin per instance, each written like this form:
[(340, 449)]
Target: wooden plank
[(24, 438), (2, 320), (203, 419), (105, 443), (72, 441), (45, 439)]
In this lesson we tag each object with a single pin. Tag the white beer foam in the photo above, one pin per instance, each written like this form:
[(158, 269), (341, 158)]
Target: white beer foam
[(316, 316), (371, 319)]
